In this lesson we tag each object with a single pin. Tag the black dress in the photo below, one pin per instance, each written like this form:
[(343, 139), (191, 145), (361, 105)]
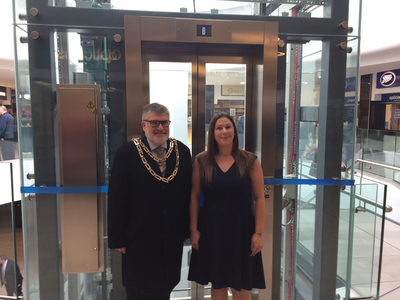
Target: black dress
[(226, 224)]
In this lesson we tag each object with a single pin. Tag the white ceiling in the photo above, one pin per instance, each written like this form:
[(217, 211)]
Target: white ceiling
[(380, 41)]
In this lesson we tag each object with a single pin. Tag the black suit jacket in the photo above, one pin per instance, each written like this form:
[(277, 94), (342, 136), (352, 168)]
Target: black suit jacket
[(150, 218), (9, 274)]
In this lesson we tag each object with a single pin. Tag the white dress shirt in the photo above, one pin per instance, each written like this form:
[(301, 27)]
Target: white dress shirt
[(3, 271), (153, 147)]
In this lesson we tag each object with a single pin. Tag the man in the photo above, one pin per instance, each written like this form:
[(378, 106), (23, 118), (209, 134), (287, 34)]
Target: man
[(8, 268), (6, 134), (240, 130), (148, 207)]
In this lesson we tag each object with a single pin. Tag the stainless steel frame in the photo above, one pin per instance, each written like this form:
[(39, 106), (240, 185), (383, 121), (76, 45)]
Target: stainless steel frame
[(262, 107)]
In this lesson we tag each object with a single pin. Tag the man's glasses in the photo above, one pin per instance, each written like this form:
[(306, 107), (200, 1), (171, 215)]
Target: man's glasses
[(155, 124)]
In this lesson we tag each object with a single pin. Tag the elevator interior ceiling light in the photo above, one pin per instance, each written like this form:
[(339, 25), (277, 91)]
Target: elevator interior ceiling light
[(27, 96), (281, 53)]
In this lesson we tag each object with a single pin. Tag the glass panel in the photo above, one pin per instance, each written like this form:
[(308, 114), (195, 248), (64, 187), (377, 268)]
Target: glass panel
[(379, 146), (303, 275), (350, 106), (309, 83), (226, 92), (84, 59), (11, 256), (285, 8), (177, 77), (204, 6), (346, 217), (346, 214), (367, 238), (302, 102), (355, 12), (27, 243)]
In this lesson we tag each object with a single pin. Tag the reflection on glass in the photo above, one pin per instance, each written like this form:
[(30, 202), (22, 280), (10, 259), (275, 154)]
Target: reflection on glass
[(226, 92), (171, 85), (183, 289), (311, 73), (10, 230), (291, 9), (306, 96), (305, 240), (24, 244), (366, 241)]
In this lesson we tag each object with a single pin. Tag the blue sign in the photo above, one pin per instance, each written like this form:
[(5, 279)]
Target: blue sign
[(391, 97), (388, 79), (349, 100), (350, 84)]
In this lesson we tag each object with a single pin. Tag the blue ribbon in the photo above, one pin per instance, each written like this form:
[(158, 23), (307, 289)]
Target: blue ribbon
[(64, 190), (281, 181), (104, 188)]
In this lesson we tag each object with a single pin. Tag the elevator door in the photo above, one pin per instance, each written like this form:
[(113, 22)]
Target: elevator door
[(196, 84)]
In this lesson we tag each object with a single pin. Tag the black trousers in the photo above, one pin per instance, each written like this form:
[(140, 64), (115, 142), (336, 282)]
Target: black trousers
[(7, 149), (11, 290), (132, 295)]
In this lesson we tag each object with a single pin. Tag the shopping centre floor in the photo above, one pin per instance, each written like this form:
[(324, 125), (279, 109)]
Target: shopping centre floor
[(390, 275)]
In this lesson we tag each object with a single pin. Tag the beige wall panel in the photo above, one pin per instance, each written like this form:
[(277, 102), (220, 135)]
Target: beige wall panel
[(78, 112), (79, 233), (247, 32), (158, 29)]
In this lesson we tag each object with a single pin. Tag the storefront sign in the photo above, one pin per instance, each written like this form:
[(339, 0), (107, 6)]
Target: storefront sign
[(3, 93), (232, 90), (97, 55), (350, 84), (388, 79), (391, 97)]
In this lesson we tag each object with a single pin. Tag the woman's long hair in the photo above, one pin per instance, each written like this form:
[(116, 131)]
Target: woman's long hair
[(206, 159)]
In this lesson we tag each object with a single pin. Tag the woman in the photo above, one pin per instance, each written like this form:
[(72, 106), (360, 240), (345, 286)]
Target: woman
[(226, 232)]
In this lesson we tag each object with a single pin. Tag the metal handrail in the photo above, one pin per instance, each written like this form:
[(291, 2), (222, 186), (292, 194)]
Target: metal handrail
[(388, 208), (377, 164)]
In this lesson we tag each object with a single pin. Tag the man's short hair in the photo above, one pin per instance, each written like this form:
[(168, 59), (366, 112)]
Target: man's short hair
[(3, 257), (155, 108), (3, 108)]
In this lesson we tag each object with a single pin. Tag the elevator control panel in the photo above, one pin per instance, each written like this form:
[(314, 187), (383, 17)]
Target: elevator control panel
[(203, 30)]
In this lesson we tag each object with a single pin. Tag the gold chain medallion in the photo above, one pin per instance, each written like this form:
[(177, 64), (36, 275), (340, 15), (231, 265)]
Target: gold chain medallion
[(173, 144)]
